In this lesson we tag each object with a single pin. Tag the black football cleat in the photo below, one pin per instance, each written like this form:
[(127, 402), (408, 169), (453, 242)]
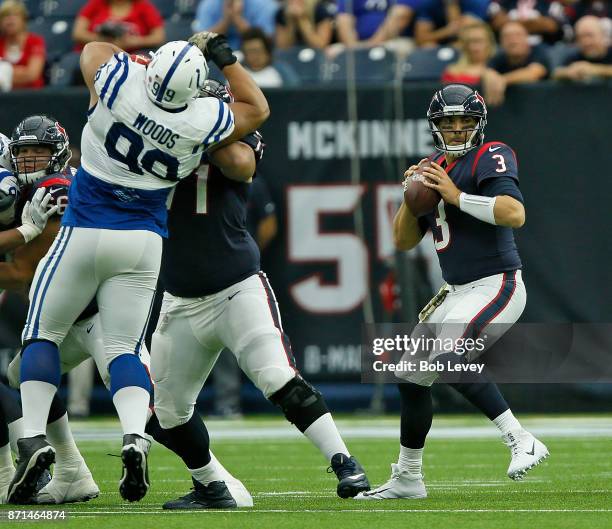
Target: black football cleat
[(36, 456), (351, 476), (215, 495), (134, 482)]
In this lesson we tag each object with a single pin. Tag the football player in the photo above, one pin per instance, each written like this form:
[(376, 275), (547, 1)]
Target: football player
[(216, 296), (146, 130), (472, 228)]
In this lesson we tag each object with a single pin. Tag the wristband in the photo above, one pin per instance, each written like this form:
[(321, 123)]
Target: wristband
[(478, 206), (29, 232)]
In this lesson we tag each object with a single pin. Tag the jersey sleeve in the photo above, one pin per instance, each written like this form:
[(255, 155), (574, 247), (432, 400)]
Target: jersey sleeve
[(220, 122), (494, 160), (110, 77)]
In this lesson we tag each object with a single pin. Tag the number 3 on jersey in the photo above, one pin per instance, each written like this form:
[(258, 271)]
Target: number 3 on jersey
[(442, 238)]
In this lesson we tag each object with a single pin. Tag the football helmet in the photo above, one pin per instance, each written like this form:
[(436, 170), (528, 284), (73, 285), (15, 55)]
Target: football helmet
[(43, 131), (212, 88), (175, 74), (5, 153), (457, 100)]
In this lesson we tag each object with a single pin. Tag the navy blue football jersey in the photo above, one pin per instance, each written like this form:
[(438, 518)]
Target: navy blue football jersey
[(208, 247), (468, 248)]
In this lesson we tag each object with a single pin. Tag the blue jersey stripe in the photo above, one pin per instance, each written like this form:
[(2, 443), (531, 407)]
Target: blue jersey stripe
[(171, 71), (118, 84), (226, 126), (44, 292), (110, 78), (216, 126)]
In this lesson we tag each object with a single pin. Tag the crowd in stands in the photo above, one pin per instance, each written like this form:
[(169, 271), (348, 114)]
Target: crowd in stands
[(492, 43)]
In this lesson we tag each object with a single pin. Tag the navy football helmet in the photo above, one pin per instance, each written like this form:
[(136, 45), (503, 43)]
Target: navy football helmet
[(213, 88), (457, 100), (44, 131)]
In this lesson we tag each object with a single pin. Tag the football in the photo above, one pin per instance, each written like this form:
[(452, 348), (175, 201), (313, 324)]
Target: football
[(419, 198)]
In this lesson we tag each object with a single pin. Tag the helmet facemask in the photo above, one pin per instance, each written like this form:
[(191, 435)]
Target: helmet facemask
[(472, 137), (32, 167)]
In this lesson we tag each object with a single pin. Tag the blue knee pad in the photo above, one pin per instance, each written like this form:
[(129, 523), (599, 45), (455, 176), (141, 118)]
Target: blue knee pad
[(40, 361), (127, 370)]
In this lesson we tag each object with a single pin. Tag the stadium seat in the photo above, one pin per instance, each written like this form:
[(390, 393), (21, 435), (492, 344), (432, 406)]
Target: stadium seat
[(57, 35), (60, 8), (178, 29), (427, 64), (65, 71), (371, 65), (305, 62)]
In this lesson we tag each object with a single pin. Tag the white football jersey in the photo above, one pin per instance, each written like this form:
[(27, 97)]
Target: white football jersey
[(132, 142), (5, 154)]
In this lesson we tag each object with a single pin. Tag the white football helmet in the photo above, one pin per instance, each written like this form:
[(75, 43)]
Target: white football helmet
[(175, 74), (5, 154)]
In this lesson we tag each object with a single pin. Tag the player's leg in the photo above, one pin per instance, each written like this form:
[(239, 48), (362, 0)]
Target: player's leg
[(128, 263), (182, 356), (497, 303), (250, 326), (55, 304)]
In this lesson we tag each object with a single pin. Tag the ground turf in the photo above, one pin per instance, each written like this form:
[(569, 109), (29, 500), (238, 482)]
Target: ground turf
[(465, 466)]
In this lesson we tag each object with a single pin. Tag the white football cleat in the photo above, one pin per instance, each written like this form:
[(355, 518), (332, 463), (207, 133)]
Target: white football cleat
[(401, 485), (526, 452), (6, 476), (68, 485), (238, 491)]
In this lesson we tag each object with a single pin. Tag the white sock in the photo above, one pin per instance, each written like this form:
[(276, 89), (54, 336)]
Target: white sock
[(6, 457), (411, 460), (507, 422), (36, 397), (132, 404), (207, 473), (325, 436), (60, 436), (15, 433)]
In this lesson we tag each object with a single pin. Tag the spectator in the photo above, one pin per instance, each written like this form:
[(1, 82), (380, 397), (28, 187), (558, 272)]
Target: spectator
[(477, 46), (594, 55), (130, 24), (304, 23), (439, 21), (542, 19), (257, 50), (22, 54), (234, 17), (518, 62), (372, 23)]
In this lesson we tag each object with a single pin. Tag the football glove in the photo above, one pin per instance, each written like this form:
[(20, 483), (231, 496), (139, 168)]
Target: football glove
[(255, 141), (36, 214), (214, 47)]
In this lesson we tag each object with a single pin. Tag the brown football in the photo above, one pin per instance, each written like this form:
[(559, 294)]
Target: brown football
[(420, 199)]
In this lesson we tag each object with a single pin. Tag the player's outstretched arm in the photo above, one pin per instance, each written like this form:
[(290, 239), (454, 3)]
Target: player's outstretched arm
[(250, 107), (94, 55)]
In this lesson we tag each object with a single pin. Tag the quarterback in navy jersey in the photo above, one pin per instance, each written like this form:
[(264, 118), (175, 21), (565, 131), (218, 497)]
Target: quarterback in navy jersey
[(480, 204), (217, 297)]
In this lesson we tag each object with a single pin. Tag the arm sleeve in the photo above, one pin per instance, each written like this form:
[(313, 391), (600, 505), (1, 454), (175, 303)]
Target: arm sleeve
[(151, 16), (503, 185), (342, 6), (37, 46), (263, 16), (208, 15), (424, 11), (88, 10), (476, 8), (496, 160), (110, 77)]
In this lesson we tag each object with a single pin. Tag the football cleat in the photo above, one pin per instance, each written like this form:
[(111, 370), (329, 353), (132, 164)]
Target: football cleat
[(215, 495), (36, 456), (351, 476), (401, 485), (526, 452), (134, 482), (69, 485), (237, 489)]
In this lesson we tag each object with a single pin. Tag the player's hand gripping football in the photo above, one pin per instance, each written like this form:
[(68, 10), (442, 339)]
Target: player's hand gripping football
[(438, 179), (36, 214), (214, 47), (410, 171)]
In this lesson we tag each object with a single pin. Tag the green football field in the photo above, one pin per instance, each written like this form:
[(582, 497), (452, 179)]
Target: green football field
[(465, 466)]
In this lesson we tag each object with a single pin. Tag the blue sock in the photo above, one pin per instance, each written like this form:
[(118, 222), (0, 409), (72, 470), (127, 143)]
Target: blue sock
[(127, 370), (40, 361)]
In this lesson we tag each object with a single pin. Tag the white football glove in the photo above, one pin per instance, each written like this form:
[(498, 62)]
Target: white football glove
[(8, 196), (36, 214)]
